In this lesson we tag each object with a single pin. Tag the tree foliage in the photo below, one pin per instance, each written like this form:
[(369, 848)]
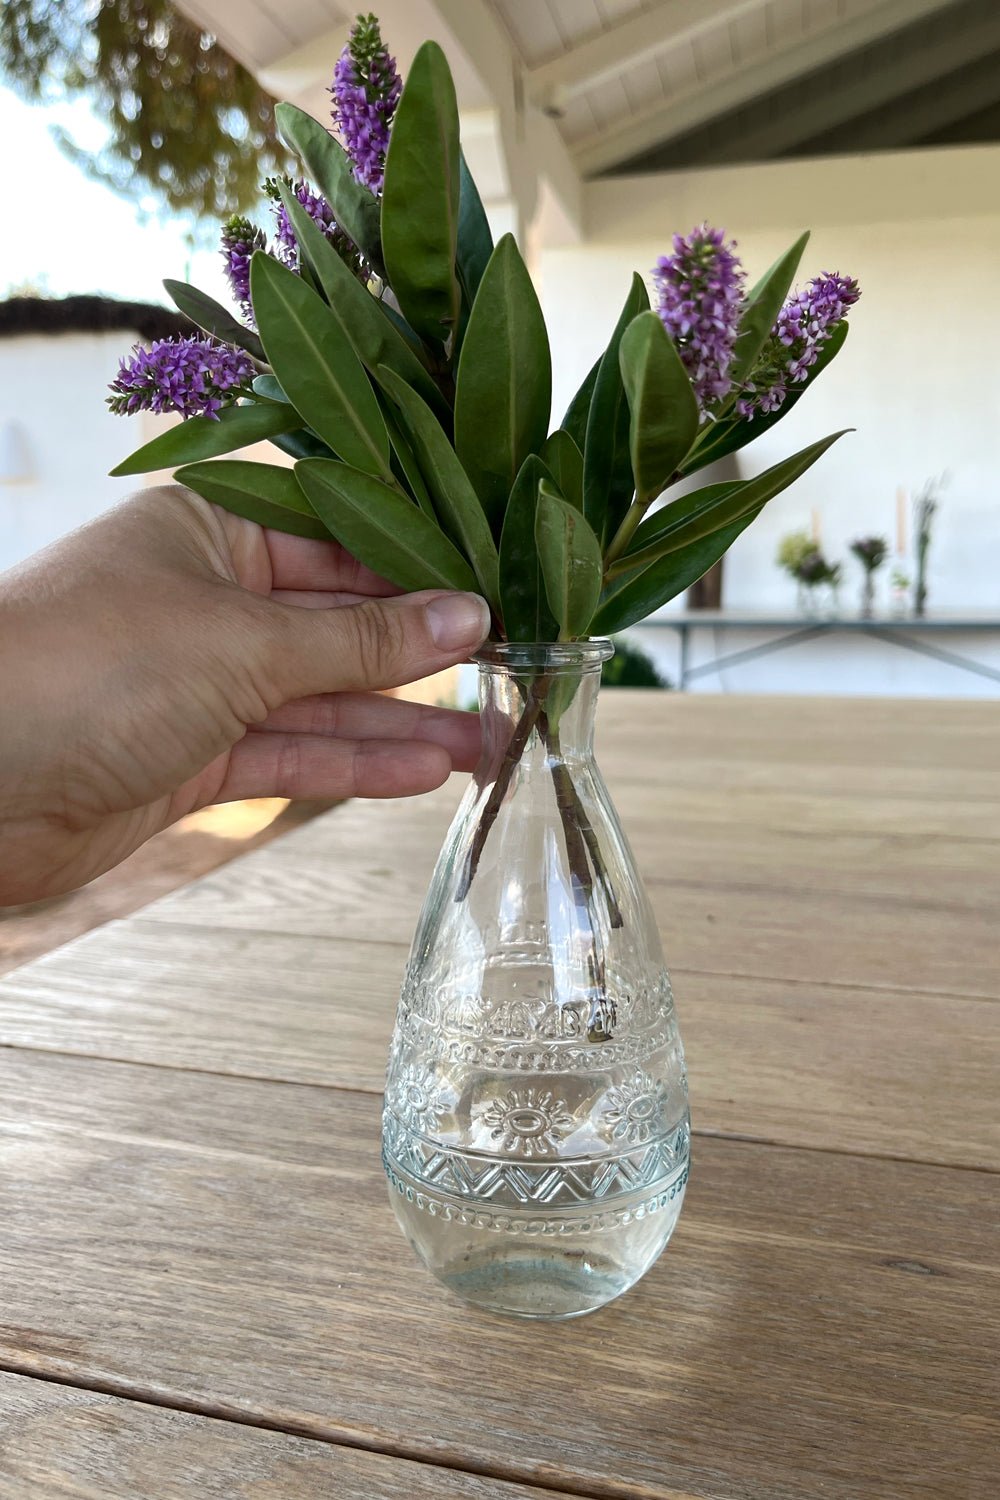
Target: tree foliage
[(185, 119)]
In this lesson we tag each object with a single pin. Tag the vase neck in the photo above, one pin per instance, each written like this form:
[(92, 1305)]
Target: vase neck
[(539, 699)]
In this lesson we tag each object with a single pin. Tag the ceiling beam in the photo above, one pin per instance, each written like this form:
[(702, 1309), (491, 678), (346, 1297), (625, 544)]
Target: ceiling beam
[(693, 106), (823, 109), (909, 120), (641, 36)]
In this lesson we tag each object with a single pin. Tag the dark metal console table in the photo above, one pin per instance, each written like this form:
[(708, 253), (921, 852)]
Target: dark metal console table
[(906, 632)]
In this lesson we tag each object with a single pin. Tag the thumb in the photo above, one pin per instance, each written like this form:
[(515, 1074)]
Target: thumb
[(380, 643)]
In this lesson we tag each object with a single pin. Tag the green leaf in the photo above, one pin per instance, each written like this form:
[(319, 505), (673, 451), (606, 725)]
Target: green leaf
[(475, 238), (503, 394), (632, 598), (206, 437), (525, 610), (420, 198), (566, 462), (578, 411), (570, 557), (663, 407), (213, 318), (298, 444), (405, 465), (455, 501), (316, 365), (706, 510), (608, 483), (355, 209), (260, 492), (382, 528), (698, 515), (372, 336), (762, 308), (733, 433)]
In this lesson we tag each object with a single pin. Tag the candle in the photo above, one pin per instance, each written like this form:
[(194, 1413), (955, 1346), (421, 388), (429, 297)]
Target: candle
[(901, 522), (815, 526)]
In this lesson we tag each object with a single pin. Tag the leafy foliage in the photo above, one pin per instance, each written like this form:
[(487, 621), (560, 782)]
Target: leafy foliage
[(418, 405), (186, 120)]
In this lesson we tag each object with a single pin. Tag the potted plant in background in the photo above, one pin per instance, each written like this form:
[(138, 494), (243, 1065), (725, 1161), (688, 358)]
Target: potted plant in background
[(536, 1121), (802, 557), (871, 552)]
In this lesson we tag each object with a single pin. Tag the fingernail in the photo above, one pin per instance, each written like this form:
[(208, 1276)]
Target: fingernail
[(458, 620)]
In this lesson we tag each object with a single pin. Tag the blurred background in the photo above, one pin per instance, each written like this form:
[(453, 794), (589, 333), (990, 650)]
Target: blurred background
[(595, 128)]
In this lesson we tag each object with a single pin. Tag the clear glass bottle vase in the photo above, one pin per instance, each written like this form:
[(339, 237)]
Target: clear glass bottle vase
[(536, 1130)]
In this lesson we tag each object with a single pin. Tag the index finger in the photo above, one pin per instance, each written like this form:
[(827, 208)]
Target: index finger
[(299, 562)]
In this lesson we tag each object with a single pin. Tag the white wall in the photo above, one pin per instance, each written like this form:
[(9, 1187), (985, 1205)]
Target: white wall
[(919, 377), (52, 386)]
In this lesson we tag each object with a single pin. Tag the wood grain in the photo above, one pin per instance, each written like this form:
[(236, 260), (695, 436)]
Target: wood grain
[(877, 1072), (60, 1443), (823, 1324), (329, 878)]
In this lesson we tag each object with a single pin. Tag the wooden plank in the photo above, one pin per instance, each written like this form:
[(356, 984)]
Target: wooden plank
[(822, 1325), (764, 922), (61, 1443), (889, 1074)]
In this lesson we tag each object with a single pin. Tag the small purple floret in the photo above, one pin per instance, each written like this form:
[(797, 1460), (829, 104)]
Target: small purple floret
[(803, 326), (700, 289), (321, 214), (366, 89), (194, 376), (240, 239)]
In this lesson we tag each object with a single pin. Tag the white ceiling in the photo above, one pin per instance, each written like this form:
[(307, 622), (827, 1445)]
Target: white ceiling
[(623, 78)]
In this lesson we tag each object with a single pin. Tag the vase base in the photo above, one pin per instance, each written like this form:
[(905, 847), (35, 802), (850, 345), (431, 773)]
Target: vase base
[(524, 1273)]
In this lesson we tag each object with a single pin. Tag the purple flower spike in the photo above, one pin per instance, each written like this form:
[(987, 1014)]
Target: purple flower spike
[(366, 90), (194, 376), (240, 239), (700, 290), (803, 326), (321, 214)]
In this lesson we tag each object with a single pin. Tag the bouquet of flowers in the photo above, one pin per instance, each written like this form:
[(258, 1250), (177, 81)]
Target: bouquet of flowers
[(871, 552), (401, 358)]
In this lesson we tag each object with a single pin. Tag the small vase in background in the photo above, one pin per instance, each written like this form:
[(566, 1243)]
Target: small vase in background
[(900, 596), (871, 552), (924, 509)]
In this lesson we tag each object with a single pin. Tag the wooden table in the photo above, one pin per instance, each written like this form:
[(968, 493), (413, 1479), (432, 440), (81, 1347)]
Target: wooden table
[(204, 1293)]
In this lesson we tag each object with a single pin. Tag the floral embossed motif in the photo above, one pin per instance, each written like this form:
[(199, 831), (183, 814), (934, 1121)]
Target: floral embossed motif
[(634, 1109), (418, 1097), (528, 1122)]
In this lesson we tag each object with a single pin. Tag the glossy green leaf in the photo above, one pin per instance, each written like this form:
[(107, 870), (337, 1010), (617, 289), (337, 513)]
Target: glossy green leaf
[(762, 308), (578, 411), (632, 598), (317, 367), (475, 238), (213, 318), (355, 209), (503, 394), (404, 460), (420, 198), (566, 462), (570, 558), (705, 511), (733, 433), (523, 603), (663, 408), (298, 444), (455, 501), (382, 528), (371, 334), (207, 437), (608, 483), (260, 492)]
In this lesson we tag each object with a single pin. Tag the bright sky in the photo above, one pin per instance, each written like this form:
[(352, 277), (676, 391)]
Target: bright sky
[(69, 234)]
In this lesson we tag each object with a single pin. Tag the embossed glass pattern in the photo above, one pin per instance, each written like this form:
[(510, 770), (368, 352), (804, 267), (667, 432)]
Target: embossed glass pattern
[(536, 1130)]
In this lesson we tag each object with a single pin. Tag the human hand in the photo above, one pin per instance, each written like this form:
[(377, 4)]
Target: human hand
[(171, 655)]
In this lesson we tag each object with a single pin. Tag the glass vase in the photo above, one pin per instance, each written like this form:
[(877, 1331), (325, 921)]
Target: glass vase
[(536, 1131)]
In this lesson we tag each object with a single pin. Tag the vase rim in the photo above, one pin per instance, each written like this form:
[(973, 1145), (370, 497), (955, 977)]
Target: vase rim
[(575, 656)]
